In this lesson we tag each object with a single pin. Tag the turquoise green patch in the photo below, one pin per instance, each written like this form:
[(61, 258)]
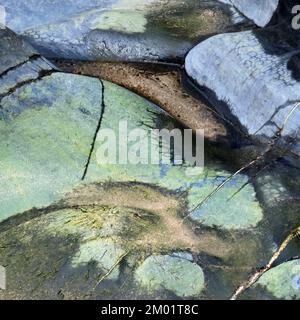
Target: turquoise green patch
[(182, 277), (234, 206), (47, 129), (124, 21), (283, 281)]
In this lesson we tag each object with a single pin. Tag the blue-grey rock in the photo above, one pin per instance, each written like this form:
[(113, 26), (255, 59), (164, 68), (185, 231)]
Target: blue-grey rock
[(118, 29), (13, 50), (20, 63), (252, 77), (260, 11)]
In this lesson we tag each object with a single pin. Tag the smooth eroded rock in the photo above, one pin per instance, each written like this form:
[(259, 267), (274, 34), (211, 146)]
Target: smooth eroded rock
[(252, 78), (118, 29)]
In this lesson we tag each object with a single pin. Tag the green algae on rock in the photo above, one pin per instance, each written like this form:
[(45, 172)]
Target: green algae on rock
[(47, 128), (66, 250), (178, 275), (104, 253), (231, 208), (131, 219), (283, 281), (50, 124)]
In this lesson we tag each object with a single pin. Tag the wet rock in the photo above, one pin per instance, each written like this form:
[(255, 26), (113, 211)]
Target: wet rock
[(283, 281), (13, 50), (180, 276), (161, 85), (117, 29), (63, 254), (193, 180), (47, 122), (260, 11), (105, 254), (90, 244), (48, 126), (234, 207), (20, 63), (251, 78)]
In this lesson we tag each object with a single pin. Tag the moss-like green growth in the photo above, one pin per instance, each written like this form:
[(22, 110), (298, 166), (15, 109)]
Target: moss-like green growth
[(47, 128)]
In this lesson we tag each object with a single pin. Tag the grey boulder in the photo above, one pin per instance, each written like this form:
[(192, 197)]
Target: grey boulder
[(252, 77)]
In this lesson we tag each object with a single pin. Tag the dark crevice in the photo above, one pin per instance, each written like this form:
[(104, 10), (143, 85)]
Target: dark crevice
[(42, 74), (96, 132), (33, 57)]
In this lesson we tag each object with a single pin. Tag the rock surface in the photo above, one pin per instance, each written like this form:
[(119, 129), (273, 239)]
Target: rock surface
[(283, 281), (252, 77), (161, 85), (108, 241), (260, 11), (117, 29), (47, 128), (74, 226), (180, 276)]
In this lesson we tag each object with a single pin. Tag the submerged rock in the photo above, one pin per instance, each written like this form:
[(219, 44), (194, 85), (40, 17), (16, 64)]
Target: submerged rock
[(39, 105), (51, 143), (161, 85), (283, 281), (76, 222), (197, 183), (234, 207), (252, 78), (47, 122), (95, 244), (47, 128), (178, 275), (117, 29)]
